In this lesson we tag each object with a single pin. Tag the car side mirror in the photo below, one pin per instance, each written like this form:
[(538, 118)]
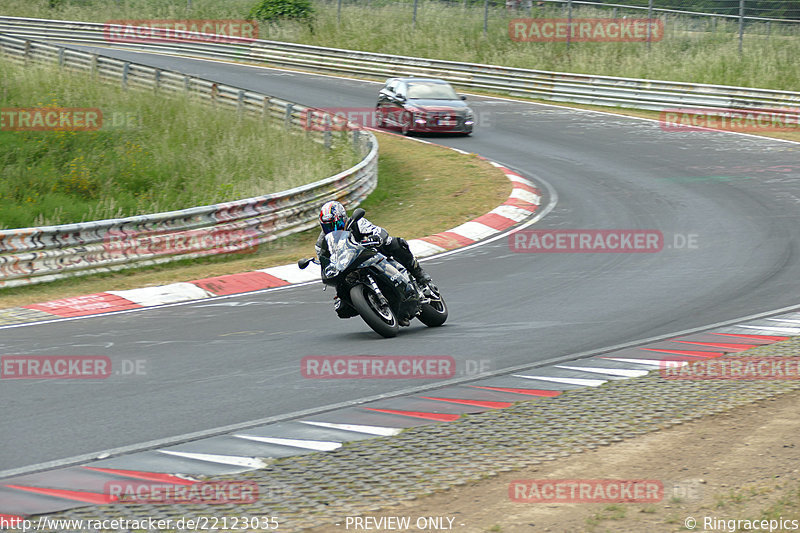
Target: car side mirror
[(401, 98), (463, 97), (303, 263)]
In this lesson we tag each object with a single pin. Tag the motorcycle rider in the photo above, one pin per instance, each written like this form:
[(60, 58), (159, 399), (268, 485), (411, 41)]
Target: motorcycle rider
[(333, 217)]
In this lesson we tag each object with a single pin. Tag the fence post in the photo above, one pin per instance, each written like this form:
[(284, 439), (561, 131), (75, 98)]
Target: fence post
[(741, 24), (414, 17), (649, 19), (339, 12), (485, 17), (125, 68), (569, 22)]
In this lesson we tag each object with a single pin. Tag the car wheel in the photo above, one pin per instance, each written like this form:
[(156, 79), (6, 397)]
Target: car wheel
[(379, 116), (405, 123)]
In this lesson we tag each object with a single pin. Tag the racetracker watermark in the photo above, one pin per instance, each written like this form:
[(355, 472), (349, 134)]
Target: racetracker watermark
[(160, 242), (170, 31), (50, 119), (378, 367), (67, 367), (442, 119), (748, 368), (586, 241), (585, 30), (738, 120), (207, 492), (586, 490)]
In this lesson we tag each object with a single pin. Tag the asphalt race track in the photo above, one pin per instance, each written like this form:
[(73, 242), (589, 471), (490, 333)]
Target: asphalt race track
[(224, 361)]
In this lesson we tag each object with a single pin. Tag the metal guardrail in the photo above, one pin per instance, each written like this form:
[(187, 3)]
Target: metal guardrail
[(35, 255), (554, 86)]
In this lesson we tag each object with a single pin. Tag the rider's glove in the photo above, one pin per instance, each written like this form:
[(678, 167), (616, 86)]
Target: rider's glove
[(372, 240)]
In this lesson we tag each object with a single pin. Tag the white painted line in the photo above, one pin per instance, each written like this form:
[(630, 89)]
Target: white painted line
[(568, 381), (663, 363), (319, 445), (785, 320), (526, 196), (474, 230), (788, 331), (511, 212), (164, 294), (422, 248), (249, 463), (293, 274), (370, 430), (624, 372)]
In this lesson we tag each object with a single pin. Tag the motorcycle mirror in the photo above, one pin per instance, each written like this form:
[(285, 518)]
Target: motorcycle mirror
[(303, 263), (357, 215)]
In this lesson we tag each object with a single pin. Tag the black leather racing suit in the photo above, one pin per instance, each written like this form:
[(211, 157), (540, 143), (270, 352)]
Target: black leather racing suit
[(395, 247)]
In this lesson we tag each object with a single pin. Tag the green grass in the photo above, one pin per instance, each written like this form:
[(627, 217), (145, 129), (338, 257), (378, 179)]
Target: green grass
[(174, 153), (691, 51)]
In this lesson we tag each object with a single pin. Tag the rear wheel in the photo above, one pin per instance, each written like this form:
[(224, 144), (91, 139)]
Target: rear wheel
[(375, 312), (434, 314)]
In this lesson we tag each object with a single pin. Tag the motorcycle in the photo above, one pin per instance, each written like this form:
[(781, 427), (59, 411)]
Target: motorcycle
[(379, 288)]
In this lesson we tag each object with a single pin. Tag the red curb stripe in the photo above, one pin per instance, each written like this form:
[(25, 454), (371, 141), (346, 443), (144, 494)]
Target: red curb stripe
[(724, 345), (687, 352), (239, 283), (522, 204), (448, 240), (145, 476), (495, 221), (769, 338), (529, 392), (474, 403), (87, 497), (90, 304), (439, 417), (529, 188)]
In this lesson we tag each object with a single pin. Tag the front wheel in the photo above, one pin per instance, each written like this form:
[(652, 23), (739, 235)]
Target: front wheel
[(434, 314), (378, 315)]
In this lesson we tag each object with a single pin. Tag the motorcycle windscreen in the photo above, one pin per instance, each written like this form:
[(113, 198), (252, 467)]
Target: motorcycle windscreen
[(342, 251)]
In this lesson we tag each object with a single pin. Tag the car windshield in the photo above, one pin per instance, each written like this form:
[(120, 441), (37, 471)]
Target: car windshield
[(431, 91)]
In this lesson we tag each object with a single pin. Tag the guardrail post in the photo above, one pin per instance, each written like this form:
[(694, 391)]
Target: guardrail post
[(60, 57), (287, 119), (357, 140), (93, 65), (769, 29), (265, 102), (125, 68), (157, 80), (186, 84), (240, 102), (26, 54)]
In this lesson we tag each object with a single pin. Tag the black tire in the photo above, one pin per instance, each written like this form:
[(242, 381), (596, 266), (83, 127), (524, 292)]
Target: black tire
[(383, 322), (434, 315), (406, 123)]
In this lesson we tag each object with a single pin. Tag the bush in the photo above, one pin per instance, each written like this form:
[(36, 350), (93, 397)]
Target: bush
[(277, 10)]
